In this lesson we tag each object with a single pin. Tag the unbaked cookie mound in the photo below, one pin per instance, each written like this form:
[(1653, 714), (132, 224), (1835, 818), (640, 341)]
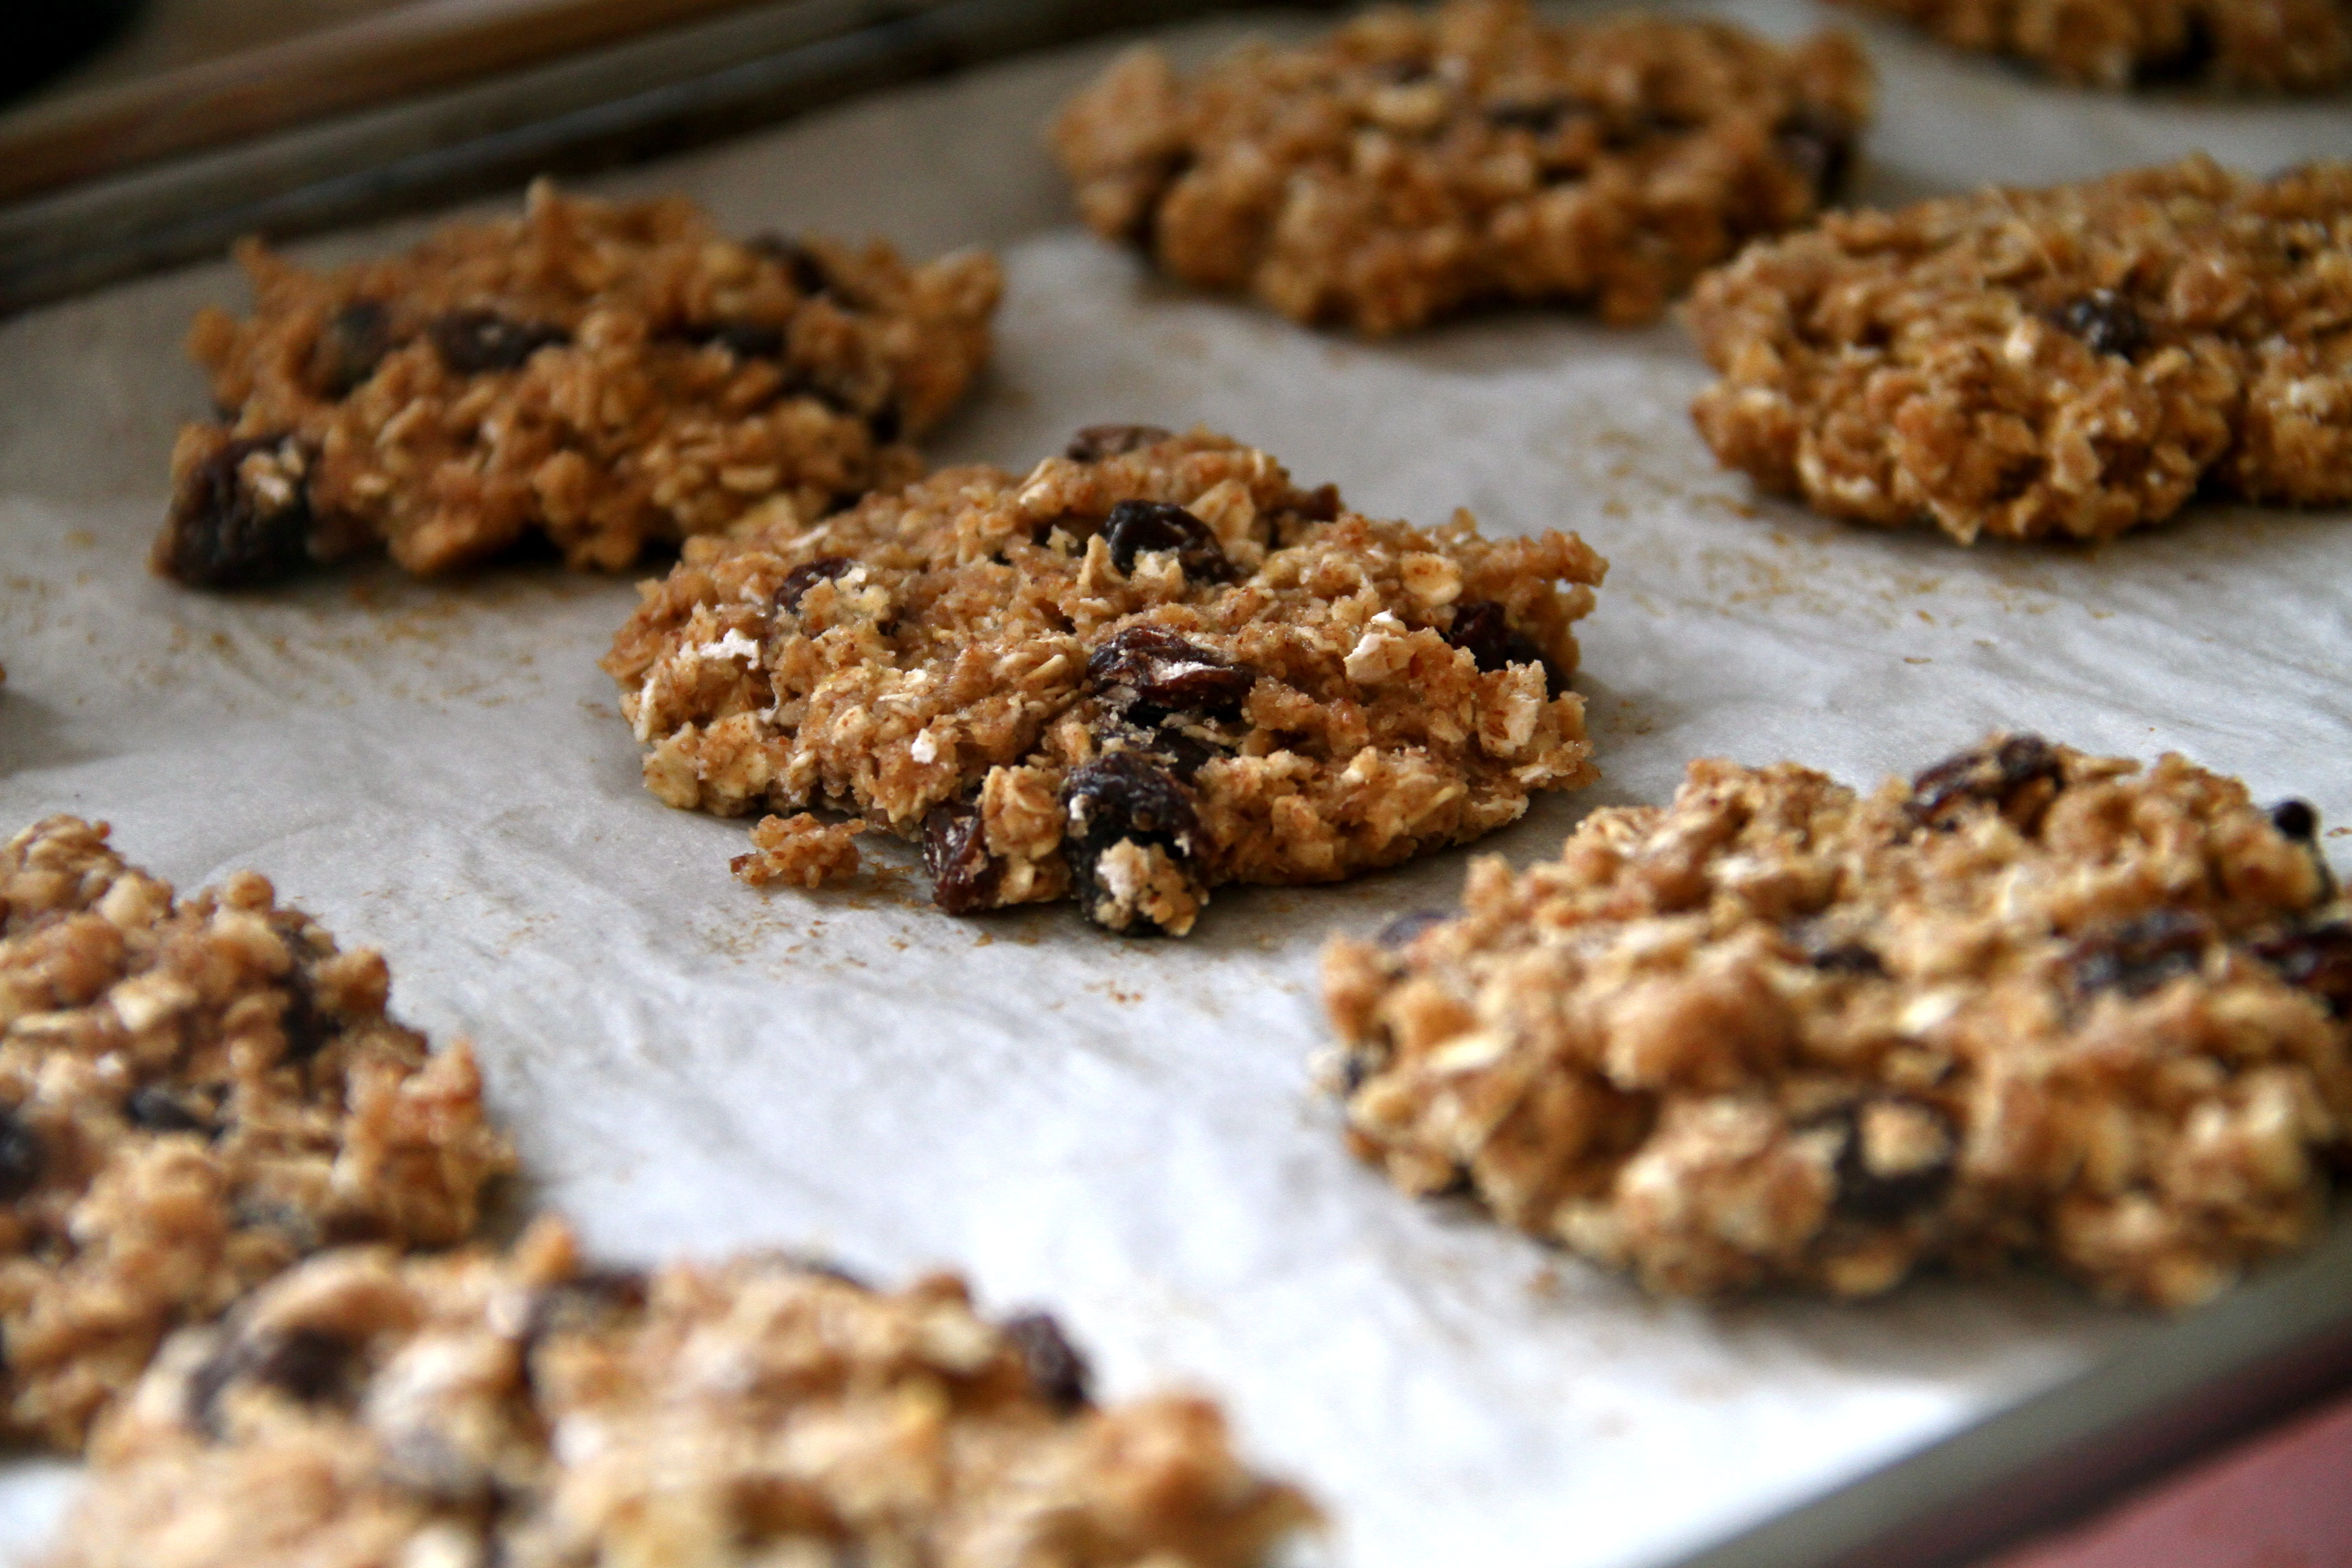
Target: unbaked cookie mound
[(2029, 1006), (610, 375), (1417, 164), (194, 1094), (1144, 668), (2069, 363), (526, 1411)]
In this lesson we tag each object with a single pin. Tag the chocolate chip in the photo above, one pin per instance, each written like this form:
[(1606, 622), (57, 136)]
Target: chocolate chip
[(2140, 955), (2106, 322), (1402, 930), (229, 530), (350, 345), (1484, 628), (1129, 797), (156, 1109), (2319, 958), (2295, 819), (1056, 1369), (308, 1365), (1095, 442), (808, 271), (1996, 775), (1135, 527), (964, 876), (21, 1156), (1896, 1156), (1152, 667), (808, 574), (1818, 144), (474, 341)]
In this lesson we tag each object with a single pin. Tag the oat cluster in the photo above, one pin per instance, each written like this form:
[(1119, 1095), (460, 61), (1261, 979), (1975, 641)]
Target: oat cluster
[(2030, 1005), (193, 1094), (524, 1411), (1416, 163), (610, 375), (2252, 46), (1142, 669), (2068, 362)]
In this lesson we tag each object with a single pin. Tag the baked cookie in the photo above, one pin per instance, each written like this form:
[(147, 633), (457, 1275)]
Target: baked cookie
[(610, 375), (2029, 1006), (194, 1094), (2254, 45), (2068, 362), (1418, 163), (1138, 671), (524, 1411)]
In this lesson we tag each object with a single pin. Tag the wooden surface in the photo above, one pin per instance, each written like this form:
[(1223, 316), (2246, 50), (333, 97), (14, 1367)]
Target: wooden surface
[(197, 74)]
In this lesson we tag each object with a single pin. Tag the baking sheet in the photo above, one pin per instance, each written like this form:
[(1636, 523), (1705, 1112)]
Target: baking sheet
[(1127, 1130)]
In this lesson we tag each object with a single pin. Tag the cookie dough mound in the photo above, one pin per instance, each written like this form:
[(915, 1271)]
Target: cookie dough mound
[(1418, 163), (610, 375), (2254, 45), (2067, 362), (525, 1411), (193, 1094), (2030, 1005), (1140, 671)]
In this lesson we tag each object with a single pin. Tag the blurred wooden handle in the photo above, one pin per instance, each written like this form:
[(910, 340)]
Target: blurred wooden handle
[(413, 50)]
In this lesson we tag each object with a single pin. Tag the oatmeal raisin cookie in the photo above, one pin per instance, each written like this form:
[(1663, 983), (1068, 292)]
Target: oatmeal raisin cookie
[(2067, 362), (526, 1411), (2029, 1006), (1418, 163), (1139, 670), (194, 1094), (2254, 46), (610, 375)]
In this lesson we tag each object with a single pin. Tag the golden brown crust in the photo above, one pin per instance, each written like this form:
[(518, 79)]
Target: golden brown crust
[(2066, 362), (194, 1094), (2032, 1005), (2252, 46), (526, 1411), (612, 375), (1131, 676), (1417, 164)]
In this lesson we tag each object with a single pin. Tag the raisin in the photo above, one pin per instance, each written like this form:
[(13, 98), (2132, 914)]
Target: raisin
[(1896, 1156), (1541, 116), (744, 340), (1320, 504), (2140, 955), (1818, 145), (1135, 527), (2296, 820), (476, 340), (1056, 1369), (1154, 667), (308, 1365), (1131, 797), (307, 1027), (808, 574), (808, 271), (158, 1111), (1402, 930), (1095, 442), (1847, 958), (2198, 49), (229, 530), (1482, 629), (1995, 774), (964, 876), (2106, 322), (1404, 73), (886, 424), (1185, 754), (21, 1156), (2319, 958), (350, 345)]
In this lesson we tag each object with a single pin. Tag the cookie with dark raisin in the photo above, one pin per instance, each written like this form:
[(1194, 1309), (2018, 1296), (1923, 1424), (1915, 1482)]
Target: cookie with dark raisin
[(521, 1408), (2060, 363), (2245, 46), (1127, 677), (194, 1094), (2029, 1006), (1415, 165), (610, 375)]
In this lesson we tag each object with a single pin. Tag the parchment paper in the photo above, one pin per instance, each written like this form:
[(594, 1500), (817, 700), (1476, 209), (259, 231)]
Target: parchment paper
[(1127, 1129)]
